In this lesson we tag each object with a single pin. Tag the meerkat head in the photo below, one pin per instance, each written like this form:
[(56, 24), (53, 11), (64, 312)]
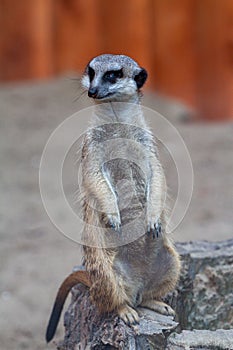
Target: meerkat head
[(113, 78)]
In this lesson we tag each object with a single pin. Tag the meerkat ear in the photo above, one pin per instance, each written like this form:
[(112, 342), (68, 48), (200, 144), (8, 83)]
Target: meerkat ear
[(140, 78)]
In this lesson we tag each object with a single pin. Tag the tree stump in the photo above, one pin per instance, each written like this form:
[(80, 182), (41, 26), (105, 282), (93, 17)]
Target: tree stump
[(204, 296), (203, 302)]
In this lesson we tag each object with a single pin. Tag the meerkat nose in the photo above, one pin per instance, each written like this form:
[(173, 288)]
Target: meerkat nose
[(92, 92)]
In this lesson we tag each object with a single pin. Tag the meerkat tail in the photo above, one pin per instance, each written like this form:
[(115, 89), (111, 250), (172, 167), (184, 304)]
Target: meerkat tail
[(66, 286)]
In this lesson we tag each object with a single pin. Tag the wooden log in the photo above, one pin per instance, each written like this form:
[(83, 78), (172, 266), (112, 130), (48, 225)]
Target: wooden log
[(86, 329), (220, 339), (203, 299), (204, 296)]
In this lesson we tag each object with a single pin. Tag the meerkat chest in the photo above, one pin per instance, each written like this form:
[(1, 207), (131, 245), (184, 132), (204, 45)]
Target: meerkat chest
[(122, 149), (125, 161), (122, 153)]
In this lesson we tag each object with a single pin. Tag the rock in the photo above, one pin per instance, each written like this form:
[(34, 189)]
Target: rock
[(204, 296), (201, 339)]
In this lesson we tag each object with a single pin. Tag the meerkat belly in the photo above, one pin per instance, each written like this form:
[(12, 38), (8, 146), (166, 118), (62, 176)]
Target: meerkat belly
[(136, 262), (143, 265)]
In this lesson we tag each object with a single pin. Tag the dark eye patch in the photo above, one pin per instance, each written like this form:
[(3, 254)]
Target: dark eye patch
[(91, 73), (112, 75)]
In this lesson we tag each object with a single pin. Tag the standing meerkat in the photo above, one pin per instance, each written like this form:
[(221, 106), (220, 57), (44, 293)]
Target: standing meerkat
[(129, 260)]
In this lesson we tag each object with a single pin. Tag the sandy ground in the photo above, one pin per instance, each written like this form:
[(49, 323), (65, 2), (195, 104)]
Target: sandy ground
[(34, 256)]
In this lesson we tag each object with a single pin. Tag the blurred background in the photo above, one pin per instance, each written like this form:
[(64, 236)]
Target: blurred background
[(186, 47)]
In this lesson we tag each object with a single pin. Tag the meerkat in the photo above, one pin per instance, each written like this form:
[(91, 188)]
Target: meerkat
[(123, 192)]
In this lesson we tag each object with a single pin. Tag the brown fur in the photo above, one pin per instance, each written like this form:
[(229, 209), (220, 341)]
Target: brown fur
[(146, 269)]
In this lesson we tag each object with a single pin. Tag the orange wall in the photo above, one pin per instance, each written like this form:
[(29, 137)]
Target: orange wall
[(186, 45)]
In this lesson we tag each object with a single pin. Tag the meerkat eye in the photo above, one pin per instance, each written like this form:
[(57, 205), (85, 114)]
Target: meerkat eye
[(113, 75), (91, 73)]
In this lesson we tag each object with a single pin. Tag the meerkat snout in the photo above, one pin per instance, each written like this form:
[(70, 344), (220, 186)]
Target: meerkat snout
[(93, 92)]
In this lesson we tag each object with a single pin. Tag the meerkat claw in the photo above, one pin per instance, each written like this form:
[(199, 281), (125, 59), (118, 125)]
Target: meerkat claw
[(158, 228), (155, 229), (114, 223), (129, 315), (117, 228)]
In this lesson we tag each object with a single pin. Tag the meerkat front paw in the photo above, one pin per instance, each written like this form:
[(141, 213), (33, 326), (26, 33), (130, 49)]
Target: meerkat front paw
[(114, 221), (128, 315), (154, 228), (158, 306)]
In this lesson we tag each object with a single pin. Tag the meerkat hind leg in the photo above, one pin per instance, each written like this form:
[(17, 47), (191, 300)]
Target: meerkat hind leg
[(158, 306), (128, 315)]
